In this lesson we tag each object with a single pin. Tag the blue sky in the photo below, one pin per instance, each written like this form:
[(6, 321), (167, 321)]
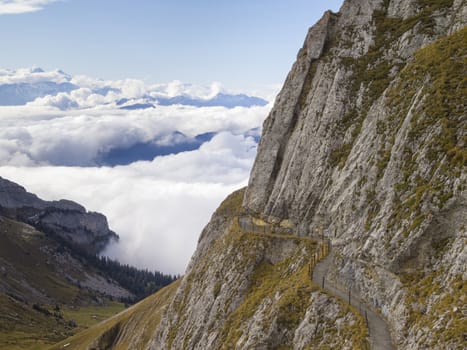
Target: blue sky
[(241, 43)]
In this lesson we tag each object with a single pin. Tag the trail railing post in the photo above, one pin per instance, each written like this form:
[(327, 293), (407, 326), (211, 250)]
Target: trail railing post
[(367, 324), (322, 285), (349, 297)]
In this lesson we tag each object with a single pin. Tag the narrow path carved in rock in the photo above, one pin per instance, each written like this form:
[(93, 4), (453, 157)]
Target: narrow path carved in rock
[(380, 336)]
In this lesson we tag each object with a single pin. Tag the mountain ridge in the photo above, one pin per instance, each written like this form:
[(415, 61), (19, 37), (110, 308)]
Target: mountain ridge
[(65, 219), (35, 84)]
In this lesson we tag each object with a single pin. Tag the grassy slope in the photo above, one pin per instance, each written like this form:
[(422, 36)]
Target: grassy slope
[(28, 278), (133, 326), (22, 255)]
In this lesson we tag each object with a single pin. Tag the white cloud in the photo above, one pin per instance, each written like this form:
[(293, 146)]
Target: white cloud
[(158, 208), (177, 88), (10, 7), (49, 136), (31, 75)]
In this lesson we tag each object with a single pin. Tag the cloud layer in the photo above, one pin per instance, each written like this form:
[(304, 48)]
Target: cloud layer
[(158, 207), (38, 135), (78, 126), (12, 7)]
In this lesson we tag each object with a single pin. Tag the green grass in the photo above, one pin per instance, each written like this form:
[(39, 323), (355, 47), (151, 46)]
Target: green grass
[(449, 306), (29, 317), (88, 316), (24, 327), (139, 320), (22, 247)]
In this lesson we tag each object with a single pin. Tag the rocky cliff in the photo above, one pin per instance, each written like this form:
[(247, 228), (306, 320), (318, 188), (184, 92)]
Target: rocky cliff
[(65, 219), (363, 149), (366, 141)]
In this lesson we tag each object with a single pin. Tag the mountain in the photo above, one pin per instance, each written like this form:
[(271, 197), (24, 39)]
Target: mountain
[(174, 143), (22, 93), (18, 87), (66, 220), (351, 232), (137, 106), (26, 85), (219, 100), (52, 283)]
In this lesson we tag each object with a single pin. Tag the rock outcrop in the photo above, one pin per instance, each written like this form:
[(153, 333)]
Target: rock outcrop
[(64, 219), (366, 141)]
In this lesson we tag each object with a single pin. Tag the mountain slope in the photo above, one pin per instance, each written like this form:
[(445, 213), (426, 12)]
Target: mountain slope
[(131, 329), (22, 93), (253, 290), (40, 282), (52, 283), (364, 149)]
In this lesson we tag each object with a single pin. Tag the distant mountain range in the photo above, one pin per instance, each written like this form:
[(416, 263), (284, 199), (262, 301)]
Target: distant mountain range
[(22, 93), (149, 150), (19, 89), (223, 100), (179, 142)]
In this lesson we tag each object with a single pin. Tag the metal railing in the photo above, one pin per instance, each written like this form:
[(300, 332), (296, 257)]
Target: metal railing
[(324, 248)]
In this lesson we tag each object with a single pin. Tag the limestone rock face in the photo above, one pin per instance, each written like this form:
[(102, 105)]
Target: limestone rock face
[(366, 141), (65, 219)]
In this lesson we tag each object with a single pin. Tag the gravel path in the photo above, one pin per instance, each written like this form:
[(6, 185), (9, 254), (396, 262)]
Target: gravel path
[(380, 337)]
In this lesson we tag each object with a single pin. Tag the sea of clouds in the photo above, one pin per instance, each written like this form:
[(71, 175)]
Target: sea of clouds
[(158, 207)]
